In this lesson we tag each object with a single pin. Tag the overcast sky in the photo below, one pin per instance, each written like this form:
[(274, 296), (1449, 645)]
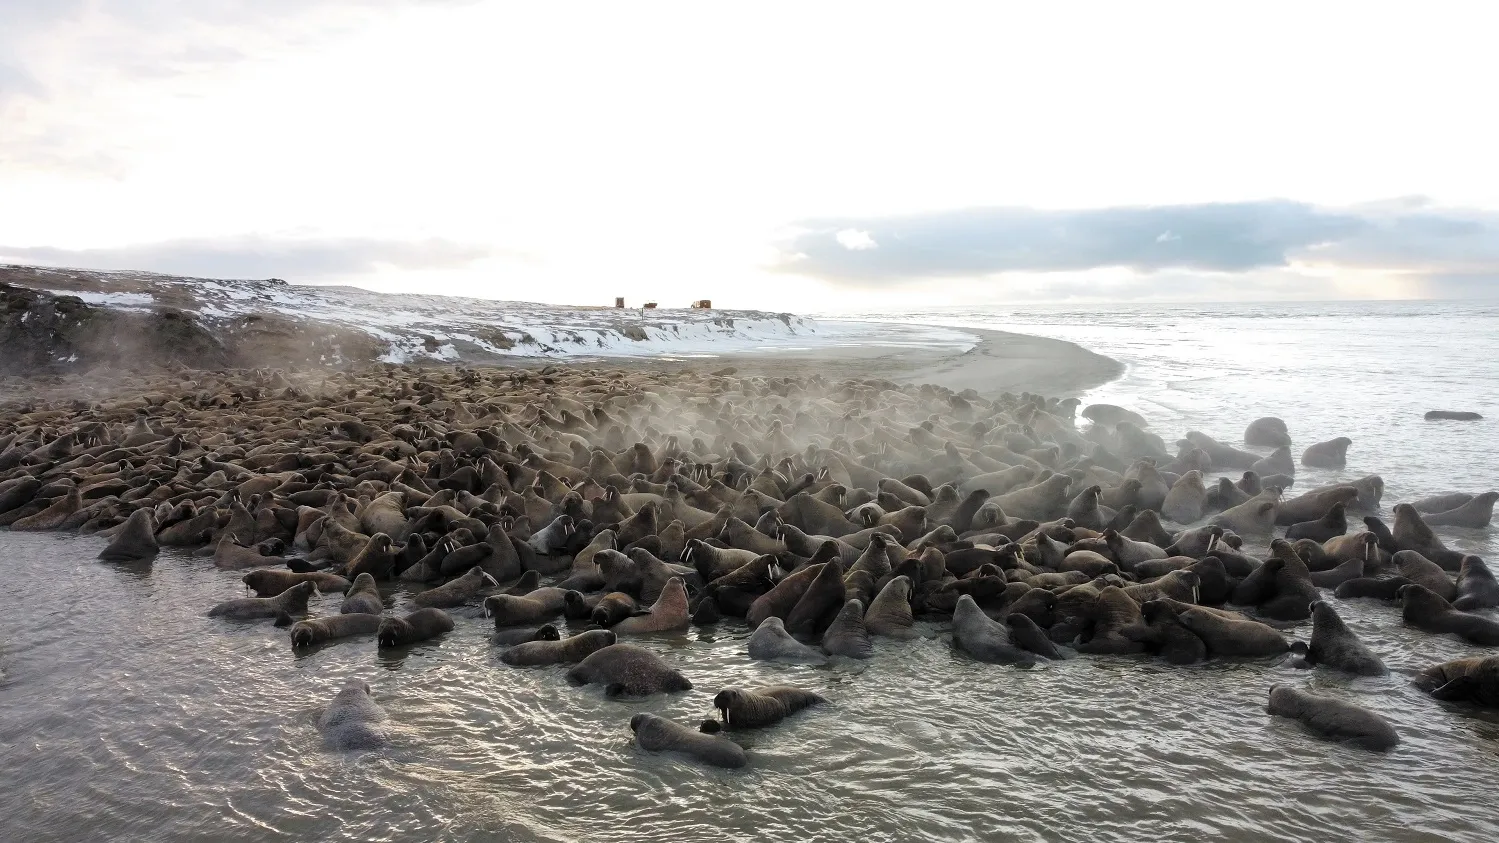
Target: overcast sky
[(801, 156)]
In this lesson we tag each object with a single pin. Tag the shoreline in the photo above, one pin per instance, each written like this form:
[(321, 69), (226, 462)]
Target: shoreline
[(1001, 361)]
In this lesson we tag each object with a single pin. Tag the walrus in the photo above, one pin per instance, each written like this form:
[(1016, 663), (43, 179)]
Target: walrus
[(628, 670), (1042, 501), (1329, 526), (1163, 631), (1476, 588), (658, 734), (1223, 456), (363, 597), (1279, 462), (1418, 569), (1112, 613), (668, 613), (1474, 680), (457, 592), (1411, 532), (421, 625), (1254, 517), (354, 720), (229, 554), (613, 608), (771, 642), (1474, 514), (511, 637), (976, 634), (292, 601), (1111, 415), (820, 603), (761, 707), (1333, 718), (783, 596), (1330, 454), (1267, 432), (569, 650), (1425, 609), (54, 515), (1185, 502), (847, 635), (375, 558), (322, 630), (1333, 644), (269, 582), (1230, 637), (889, 614), (1026, 635), (136, 540), (1377, 588)]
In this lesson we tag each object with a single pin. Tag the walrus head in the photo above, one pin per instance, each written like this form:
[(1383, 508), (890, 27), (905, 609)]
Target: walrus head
[(301, 636), (724, 699)]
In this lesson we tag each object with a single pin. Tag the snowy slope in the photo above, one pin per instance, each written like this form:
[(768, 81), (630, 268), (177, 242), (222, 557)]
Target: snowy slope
[(445, 328)]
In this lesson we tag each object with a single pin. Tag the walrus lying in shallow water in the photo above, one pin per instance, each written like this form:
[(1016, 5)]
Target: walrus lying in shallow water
[(826, 512)]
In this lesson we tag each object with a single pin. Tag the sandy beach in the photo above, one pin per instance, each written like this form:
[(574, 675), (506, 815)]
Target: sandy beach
[(999, 362)]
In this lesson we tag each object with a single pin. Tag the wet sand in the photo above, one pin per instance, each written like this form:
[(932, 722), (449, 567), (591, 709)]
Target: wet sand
[(1000, 362)]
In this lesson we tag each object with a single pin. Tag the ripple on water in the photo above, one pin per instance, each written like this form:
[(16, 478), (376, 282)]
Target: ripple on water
[(125, 713)]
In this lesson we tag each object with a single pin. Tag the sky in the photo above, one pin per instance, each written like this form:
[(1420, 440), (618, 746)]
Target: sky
[(810, 157)]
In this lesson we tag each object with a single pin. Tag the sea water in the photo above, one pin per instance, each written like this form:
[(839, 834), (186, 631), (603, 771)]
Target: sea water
[(126, 714)]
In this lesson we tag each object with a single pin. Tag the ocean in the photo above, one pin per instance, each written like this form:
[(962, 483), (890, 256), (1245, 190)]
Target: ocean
[(1365, 370), (125, 714)]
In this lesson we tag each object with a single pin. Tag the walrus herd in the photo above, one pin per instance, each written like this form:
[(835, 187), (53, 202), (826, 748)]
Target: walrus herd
[(824, 514)]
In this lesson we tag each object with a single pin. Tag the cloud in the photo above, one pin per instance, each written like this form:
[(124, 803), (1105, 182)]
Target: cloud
[(1405, 235), (855, 240), (79, 69), (264, 257)]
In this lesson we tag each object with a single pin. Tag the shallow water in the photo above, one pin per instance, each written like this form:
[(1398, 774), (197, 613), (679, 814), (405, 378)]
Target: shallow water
[(1365, 370), (126, 714)]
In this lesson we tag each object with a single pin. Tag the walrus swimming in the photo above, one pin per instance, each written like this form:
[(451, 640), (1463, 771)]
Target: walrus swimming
[(269, 582), (572, 649), (1425, 609), (229, 554), (1474, 514), (511, 637), (1332, 718), (289, 602), (322, 630), (657, 734), (847, 635), (1476, 588), (1411, 532), (1333, 644), (668, 613), (1330, 454), (975, 634), (363, 597), (1229, 637), (1473, 680), (771, 642), (421, 625), (628, 670), (761, 707), (354, 720), (135, 540), (1025, 634)]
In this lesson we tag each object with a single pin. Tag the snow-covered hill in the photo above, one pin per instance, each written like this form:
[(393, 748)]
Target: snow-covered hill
[(270, 322)]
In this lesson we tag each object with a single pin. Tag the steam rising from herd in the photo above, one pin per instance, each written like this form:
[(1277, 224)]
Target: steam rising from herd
[(588, 512)]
